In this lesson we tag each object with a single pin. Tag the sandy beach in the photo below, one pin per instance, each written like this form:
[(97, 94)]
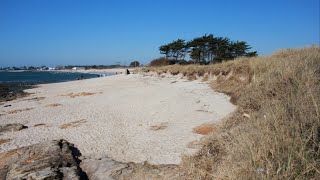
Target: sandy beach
[(133, 118), (98, 71)]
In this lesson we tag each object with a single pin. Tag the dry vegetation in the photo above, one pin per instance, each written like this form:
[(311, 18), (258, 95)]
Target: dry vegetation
[(275, 132), (160, 62), (205, 129)]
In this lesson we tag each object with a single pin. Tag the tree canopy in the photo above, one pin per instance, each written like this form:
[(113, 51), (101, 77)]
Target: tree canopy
[(206, 49), (135, 64), (175, 50)]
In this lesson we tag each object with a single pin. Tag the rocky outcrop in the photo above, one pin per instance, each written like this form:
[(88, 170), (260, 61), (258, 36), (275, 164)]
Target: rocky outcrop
[(103, 168), (7, 94), (48, 160), (137, 171), (58, 160), (11, 127)]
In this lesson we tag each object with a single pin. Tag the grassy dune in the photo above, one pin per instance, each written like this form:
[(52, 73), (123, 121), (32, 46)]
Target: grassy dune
[(275, 132)]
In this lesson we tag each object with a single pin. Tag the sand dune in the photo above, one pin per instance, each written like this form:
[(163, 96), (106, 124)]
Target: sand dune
[(132, 118)]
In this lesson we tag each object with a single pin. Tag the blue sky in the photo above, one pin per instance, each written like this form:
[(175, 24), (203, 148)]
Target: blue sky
[(61, 32)]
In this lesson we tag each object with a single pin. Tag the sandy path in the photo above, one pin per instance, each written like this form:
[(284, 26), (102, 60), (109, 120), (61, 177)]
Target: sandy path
[(128, 118)]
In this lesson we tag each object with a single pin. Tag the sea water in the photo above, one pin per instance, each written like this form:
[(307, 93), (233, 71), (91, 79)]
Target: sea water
[(42, 77)]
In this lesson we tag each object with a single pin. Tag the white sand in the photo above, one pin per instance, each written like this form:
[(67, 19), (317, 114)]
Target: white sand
[(118, 119)]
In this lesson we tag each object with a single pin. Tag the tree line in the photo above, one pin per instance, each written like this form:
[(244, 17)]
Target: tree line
[(206, 49)]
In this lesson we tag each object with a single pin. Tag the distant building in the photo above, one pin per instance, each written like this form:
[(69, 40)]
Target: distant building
[(59, 68), (78, 68), (43, 68)]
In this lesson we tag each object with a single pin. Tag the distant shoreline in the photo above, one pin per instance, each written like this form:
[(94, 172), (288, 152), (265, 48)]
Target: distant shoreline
[(68, 70), (10, 89)]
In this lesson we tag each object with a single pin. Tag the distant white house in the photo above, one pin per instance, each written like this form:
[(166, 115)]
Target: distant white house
[(78, 68)]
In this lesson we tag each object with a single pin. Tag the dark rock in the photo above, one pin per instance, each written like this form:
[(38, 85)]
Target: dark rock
[(11, 127), (48, 160), (7, 94), (7, 105)]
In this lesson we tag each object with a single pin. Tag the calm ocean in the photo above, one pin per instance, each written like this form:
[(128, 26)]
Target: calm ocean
[(41, 77)]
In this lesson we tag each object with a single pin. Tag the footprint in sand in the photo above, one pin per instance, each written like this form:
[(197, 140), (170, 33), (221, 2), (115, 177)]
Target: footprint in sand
[(40, 125), (160, 126), (72, 95), (19, 110), (72, 124), (53, 105), (3, 141)]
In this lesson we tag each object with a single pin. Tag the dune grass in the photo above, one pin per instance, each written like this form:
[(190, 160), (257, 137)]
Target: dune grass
[(275, 131)]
